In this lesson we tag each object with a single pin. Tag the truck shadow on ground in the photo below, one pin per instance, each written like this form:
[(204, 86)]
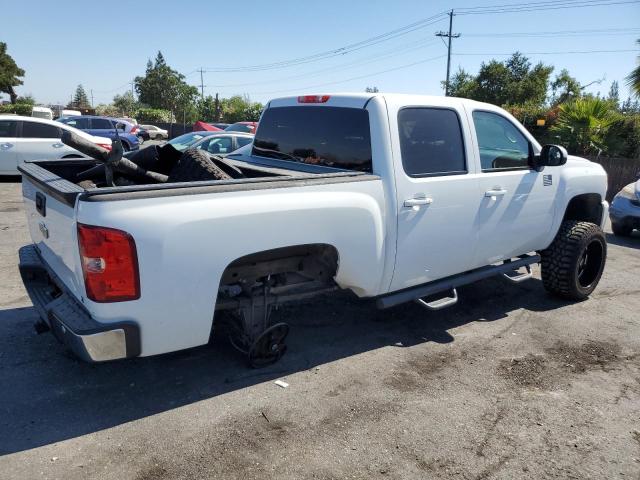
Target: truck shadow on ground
[(633, 241), (49, 396)]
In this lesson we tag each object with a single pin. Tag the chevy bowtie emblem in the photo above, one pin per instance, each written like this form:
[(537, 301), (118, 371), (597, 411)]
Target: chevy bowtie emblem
[(43, 229)]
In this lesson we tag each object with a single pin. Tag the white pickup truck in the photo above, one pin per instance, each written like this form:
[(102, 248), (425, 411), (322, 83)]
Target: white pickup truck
[(398, 197)]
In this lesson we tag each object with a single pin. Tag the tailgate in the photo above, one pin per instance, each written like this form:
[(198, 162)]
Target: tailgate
[(52, 226)]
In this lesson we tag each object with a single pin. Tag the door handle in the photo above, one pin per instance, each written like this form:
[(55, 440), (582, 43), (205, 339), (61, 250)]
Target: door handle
[(416, 202), (6, 146), (58, 145), (495, 192)]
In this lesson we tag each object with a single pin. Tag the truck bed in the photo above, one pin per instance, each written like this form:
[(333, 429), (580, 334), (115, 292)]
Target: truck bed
[(54, 177)]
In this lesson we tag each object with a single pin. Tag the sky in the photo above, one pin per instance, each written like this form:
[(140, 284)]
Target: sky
[(104, 45)]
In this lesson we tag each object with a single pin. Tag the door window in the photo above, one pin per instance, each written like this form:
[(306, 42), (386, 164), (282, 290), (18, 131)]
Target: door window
[(502, 146), (8, 128), (431, 142), (39, 130), (242, 141), (81, 123), (101, 124), (217, 145)]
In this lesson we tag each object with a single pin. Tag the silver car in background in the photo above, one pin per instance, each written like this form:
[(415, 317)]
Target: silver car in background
[(625, 210)]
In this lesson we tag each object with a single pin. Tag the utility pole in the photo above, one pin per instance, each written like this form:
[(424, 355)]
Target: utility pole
[(201, 83), (217, 108), (132, 83), (449, 37), (91, 97)]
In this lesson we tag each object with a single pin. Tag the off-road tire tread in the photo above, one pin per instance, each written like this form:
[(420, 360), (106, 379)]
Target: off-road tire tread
[(195, 165), (559, 260)]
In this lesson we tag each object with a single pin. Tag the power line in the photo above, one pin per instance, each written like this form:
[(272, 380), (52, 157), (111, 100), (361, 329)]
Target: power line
[(400, 67), (551, 53), (539, 6), (560, 33), (337, 51), (449, 36), (399, 50)]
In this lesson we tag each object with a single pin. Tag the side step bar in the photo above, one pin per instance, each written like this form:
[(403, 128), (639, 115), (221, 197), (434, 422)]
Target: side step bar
[(451, 283)]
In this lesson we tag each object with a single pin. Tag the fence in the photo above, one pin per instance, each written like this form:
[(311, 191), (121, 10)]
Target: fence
[(621, 172)]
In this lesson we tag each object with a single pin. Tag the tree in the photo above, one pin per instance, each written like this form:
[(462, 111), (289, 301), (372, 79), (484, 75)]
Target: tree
[(126, 104), (164, 88), (614, 95), (26, 100), (238, 109), (633, 79), (565, 88), (514, 81), (207, 109), (584, 124), (9, 73), (461, 84), (80, 99), (108, 110)]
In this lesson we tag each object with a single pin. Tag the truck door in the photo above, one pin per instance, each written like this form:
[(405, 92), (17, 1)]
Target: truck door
[(436, 185), (516, 203)]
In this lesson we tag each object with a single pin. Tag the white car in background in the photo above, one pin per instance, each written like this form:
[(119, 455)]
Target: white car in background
[(156, 133), (30, 138)]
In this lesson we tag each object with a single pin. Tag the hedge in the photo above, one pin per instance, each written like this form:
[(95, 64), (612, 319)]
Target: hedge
[(17, 108)]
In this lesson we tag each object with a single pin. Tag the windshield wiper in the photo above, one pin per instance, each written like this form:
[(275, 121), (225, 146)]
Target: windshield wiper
[(282, 155)]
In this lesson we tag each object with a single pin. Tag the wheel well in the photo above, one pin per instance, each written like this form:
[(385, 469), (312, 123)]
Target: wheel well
[(586, 207), (72, 156), (315, 261)]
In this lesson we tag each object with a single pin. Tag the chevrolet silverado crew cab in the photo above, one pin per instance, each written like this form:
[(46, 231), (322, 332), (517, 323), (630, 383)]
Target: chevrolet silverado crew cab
[(397, 197)]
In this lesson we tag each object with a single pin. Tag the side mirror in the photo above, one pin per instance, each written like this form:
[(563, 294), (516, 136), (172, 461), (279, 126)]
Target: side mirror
[(550, 156)]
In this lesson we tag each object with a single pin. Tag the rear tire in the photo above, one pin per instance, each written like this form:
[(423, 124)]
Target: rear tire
[(574, 262), (195, 165), (621, 230)]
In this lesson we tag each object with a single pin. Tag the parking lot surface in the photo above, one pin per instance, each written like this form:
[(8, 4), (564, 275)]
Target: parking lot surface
[(510, 383)]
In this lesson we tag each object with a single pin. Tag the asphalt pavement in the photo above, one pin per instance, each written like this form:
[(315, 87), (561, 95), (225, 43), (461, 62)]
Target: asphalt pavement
[(510, 383)]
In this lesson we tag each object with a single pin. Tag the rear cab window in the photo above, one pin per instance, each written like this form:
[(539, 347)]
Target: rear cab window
[(335, 137), (431, 142)]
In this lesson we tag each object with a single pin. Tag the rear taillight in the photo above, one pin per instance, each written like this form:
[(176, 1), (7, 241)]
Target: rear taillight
[(134, 129), (313, 98), (106, 146), (109, 264)]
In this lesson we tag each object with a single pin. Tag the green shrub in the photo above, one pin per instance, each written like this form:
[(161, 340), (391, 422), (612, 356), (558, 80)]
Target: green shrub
[(17, 108), (623, 138), (151, 115)]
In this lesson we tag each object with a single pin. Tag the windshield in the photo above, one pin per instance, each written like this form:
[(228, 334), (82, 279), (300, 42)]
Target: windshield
[(330, 136), (183, 142)]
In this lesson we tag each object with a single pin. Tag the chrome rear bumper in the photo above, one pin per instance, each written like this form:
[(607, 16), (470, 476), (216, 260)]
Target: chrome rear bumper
[(69, 321)]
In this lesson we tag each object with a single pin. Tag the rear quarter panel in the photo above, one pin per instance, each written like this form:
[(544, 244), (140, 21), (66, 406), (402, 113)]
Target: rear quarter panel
[(185, 243)]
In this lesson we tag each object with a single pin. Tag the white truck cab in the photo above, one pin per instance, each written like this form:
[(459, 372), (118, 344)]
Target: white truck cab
[(398, 197)]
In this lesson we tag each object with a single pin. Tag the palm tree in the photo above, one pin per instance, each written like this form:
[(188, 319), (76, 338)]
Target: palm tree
[(583, 124), (633, 79)]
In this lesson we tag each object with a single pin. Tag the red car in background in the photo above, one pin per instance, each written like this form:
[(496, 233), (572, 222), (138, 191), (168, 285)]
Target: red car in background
[(247, 127)]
